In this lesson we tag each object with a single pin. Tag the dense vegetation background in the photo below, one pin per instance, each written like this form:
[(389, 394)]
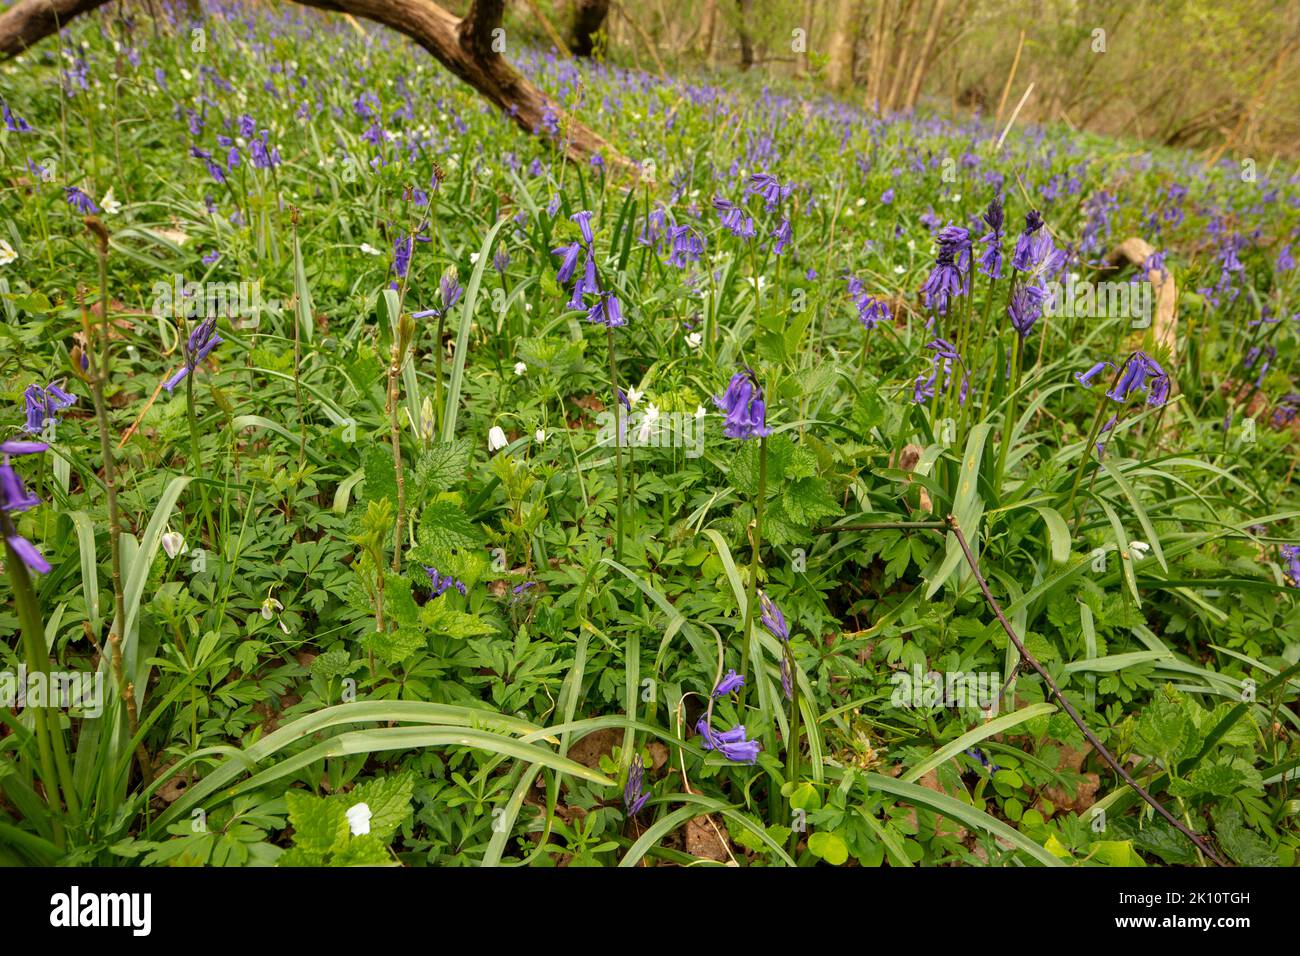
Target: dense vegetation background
[(932, 421)]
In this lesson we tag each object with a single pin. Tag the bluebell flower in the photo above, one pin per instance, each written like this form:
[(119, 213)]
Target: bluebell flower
[(633, 797), (773, 619), (14, 499), (1291, 554), (1022, 258), (729, 684), (202, 340), (79, 201), (44, 403), (990, 263), (439, 583), (743, 404), (731, 743)]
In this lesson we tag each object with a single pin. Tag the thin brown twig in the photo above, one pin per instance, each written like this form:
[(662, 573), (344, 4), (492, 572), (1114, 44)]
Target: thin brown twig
[(1073, 714)]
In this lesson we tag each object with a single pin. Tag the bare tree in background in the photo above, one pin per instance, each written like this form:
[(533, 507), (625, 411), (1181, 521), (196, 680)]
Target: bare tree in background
[(746, 8), (588, 19), (841, 51)]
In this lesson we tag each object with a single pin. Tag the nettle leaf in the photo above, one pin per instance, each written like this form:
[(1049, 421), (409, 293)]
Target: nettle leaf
[(1218, 779), (389, 800), (445, 528), (1165, 728), (399, 604), (393, 647), (809, 500), (335, 663), (381, 474), (443, 466), (365, 850), (1245, 847), (319, 824), (441, 619)]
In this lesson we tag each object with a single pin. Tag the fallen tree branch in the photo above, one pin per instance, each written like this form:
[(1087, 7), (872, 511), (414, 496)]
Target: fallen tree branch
[(468, 47)]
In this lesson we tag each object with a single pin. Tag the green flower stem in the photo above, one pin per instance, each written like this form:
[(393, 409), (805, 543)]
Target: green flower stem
[(1009, 426), (48, 739), (618, 443), (752, 598)]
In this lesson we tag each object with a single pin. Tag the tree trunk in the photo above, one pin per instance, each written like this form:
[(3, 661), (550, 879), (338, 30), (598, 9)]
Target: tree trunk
[(746, 46), (588, 19), (879, 51), (469, 47), (923, 60), (840, 51), (708, 28)]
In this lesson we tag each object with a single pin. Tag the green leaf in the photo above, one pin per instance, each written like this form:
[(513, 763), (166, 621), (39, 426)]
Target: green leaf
[(319, 824), (829, 846), (389, 800)]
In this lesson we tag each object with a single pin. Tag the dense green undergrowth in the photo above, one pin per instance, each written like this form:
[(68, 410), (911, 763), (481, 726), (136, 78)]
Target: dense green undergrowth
[(308, 648)]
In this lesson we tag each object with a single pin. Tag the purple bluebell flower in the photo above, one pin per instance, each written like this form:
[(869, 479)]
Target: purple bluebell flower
[(730, 743), (781, 236), (403, 246), (439, 583), (743, 404), (1141, 373), (79, 201), (1291, 554), (990, 263), (607, 311), (1024, 310), (686, 247), (13, 122), (1085, 378), (729, 684), (568, 262), (583, 219), (734, 219), (633, 797), (773, 619), (14, 499), (943, 283), (1022, 258), (202, 340), (43, 404)]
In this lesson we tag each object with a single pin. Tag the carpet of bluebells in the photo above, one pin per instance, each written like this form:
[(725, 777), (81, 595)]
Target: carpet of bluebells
[(381, 488)]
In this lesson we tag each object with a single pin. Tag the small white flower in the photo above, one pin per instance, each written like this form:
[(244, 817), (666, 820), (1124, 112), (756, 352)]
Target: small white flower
[(633, 396), (1139, 549), (956, 197), (540, 435), (699, 411), (694, 339), (520, 368), (359, 819), (862, 201), (911, 245), (271, 607), (496, 438), (899, 270), (648, 420), (473, 258), (173, 542), (370, 250), (7, 254), (111, 206), (186, 75)]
